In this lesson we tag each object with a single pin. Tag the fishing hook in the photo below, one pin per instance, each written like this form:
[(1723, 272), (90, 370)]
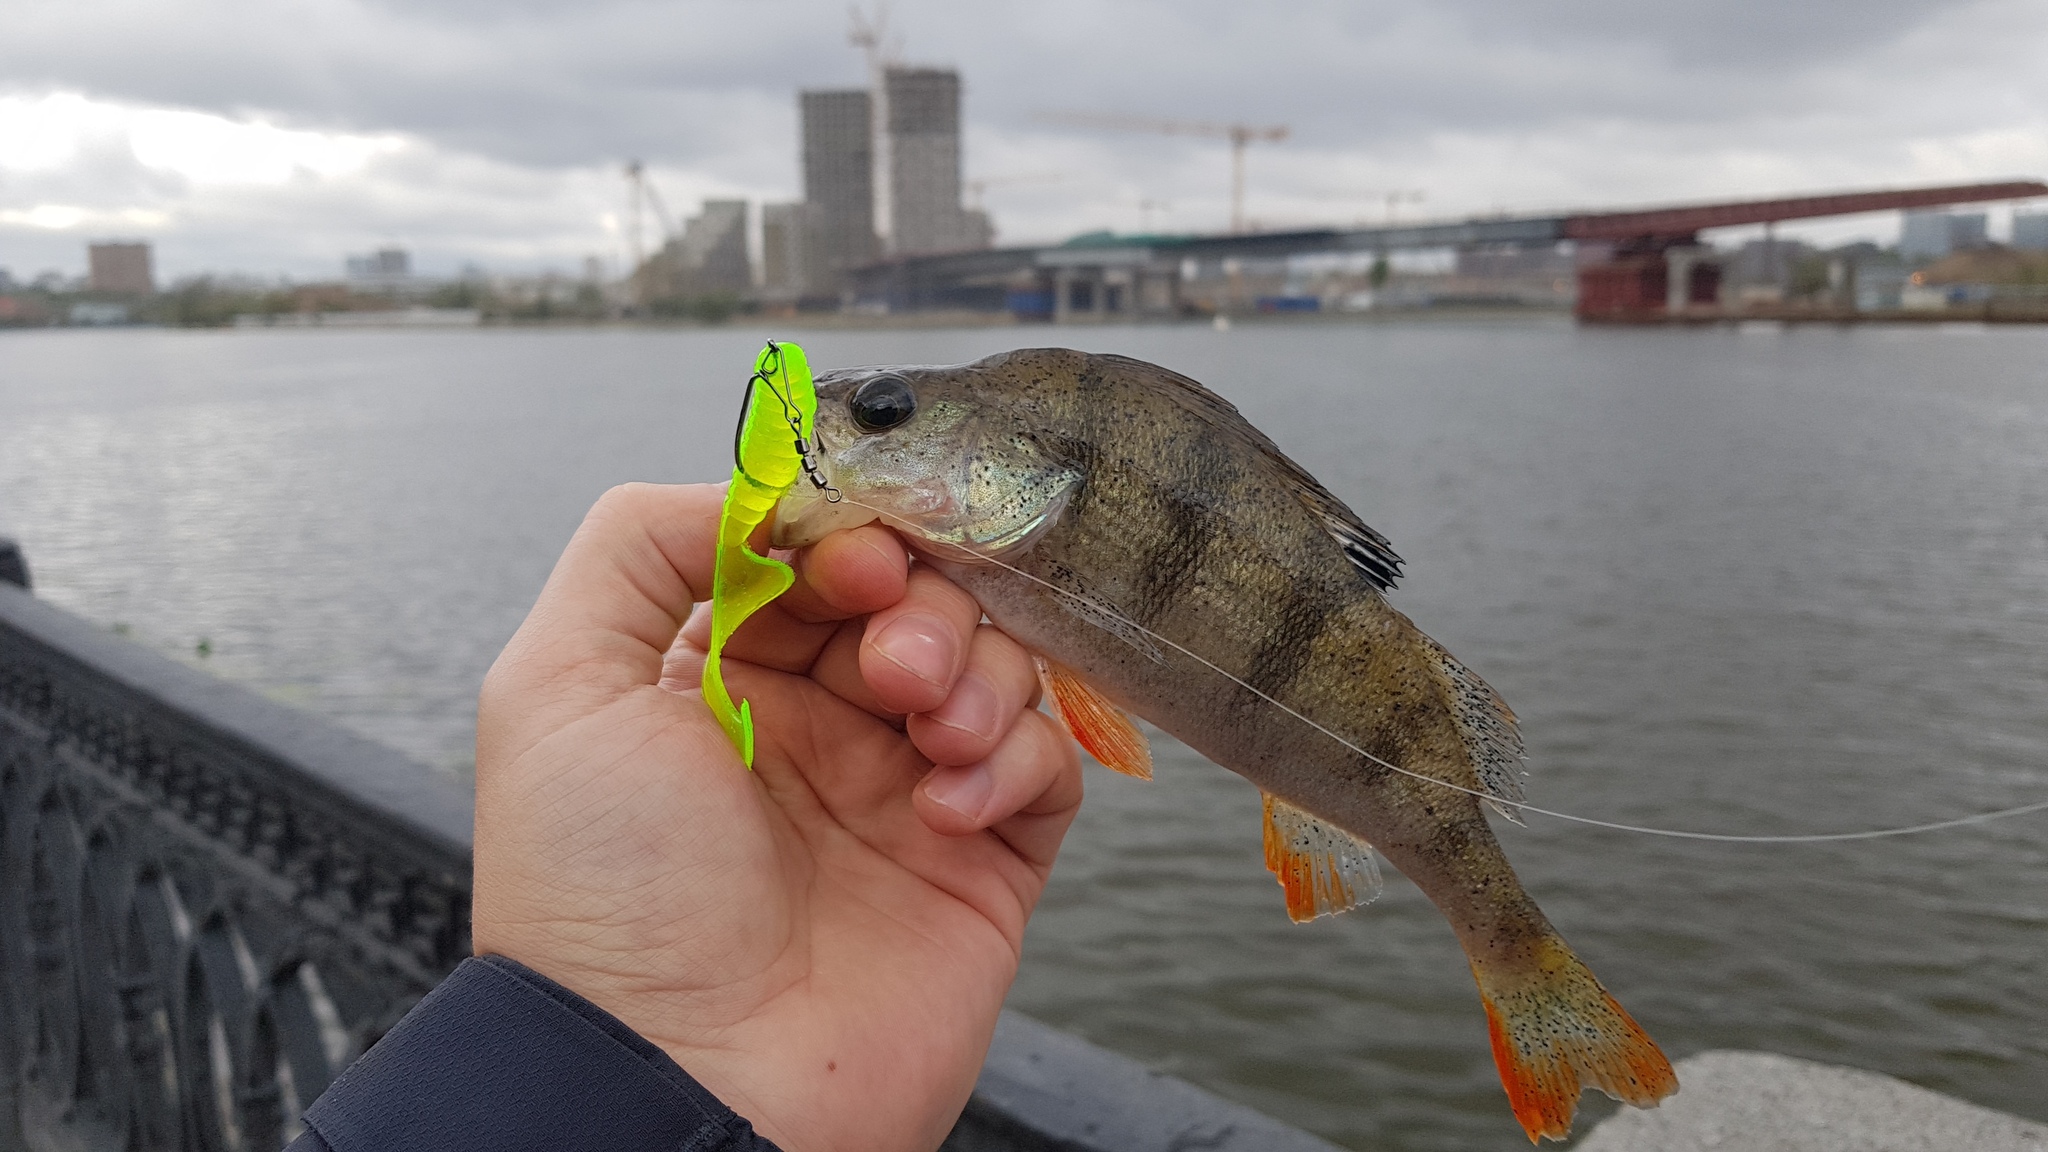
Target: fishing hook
[(806, 454)]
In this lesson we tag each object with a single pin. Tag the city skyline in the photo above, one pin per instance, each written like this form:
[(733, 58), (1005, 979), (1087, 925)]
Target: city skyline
[(497, 141)]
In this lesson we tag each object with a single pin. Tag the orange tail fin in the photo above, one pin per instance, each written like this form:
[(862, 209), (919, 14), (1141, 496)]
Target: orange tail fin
[(1556, 1032)]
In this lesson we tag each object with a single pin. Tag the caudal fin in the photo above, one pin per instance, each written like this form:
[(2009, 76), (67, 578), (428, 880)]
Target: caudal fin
[(1556, 1032)]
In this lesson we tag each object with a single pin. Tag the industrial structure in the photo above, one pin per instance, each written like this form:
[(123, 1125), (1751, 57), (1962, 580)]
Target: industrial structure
[(708, 257), (882, 175), (881, 178), (782, 253), (1630, 266), (121, 266), (385, 270), (2030, 231), (923, 108), (1932, 235), (839, 187)]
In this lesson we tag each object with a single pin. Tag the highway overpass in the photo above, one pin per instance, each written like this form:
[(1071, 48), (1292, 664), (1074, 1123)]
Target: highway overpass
[(1645, 261)]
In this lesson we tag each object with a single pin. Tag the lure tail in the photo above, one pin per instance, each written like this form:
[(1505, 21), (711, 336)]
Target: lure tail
[(769, 452), (1556, 1032)]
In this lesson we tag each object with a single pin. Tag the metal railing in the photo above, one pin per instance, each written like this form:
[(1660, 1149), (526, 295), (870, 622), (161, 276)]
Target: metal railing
[(211, 903)]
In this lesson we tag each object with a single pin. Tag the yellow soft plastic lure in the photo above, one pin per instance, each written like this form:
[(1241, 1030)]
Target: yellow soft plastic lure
[(769, 452)]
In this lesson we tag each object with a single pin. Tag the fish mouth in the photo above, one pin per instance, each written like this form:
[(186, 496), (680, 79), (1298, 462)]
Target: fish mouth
[(806, 515)]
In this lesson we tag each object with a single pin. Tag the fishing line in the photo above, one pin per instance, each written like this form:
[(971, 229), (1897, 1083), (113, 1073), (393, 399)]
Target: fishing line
[(1520, 806)]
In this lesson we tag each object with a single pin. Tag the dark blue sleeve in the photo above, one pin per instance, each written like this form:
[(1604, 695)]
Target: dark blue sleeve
[(500, 1057)]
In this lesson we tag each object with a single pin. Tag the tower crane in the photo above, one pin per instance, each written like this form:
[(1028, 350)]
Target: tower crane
[(1393, 197), (977, 189), (644, 195), (643, 192), (1240, 136), (869, 32)]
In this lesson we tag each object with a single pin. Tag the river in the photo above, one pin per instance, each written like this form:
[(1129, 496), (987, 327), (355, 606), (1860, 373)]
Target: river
[(1752, 580)]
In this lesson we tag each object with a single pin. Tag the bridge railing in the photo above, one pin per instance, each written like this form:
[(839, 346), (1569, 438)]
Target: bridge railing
[(210, 903)]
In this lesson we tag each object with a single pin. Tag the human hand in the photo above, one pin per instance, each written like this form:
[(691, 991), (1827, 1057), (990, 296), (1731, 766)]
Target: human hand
[(824, 942)]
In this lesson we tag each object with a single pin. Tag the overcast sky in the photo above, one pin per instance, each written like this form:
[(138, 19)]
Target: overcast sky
[(275, 136)]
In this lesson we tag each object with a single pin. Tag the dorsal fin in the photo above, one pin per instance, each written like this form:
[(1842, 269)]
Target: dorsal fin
[(1097, 725), (1368, 551), (1487, 727), (1324, 869)]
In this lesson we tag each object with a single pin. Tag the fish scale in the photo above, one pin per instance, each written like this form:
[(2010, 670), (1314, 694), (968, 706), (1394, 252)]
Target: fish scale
[(1133, 531)]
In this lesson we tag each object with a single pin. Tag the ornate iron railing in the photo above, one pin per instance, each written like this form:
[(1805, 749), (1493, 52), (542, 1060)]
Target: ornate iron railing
[(210, 903)]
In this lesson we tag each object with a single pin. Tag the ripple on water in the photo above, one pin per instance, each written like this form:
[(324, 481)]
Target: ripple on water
[(1757, 585)]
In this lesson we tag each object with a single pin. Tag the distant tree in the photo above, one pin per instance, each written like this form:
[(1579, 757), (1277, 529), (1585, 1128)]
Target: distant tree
[(1809, 277)]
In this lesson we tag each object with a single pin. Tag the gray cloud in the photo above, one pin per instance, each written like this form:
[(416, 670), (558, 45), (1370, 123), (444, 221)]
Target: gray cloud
[(565, 83)]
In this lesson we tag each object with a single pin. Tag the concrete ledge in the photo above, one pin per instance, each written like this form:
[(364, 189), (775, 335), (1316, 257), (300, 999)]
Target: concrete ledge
[(1762, 1102), (1044, 1089)]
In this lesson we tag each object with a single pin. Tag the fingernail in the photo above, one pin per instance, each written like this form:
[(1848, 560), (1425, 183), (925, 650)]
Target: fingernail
[(964, 790), (973, 707), (920, 645)]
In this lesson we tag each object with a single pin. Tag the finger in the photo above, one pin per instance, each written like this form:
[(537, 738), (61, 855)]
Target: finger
[(850, 573), (615, 600), (1034, 772), (846, 574), (838, 672), (916, 648), (998, 684)]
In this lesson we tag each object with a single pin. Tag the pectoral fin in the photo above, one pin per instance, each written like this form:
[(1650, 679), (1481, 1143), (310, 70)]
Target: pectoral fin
[(1324, 869), (1097, 725)]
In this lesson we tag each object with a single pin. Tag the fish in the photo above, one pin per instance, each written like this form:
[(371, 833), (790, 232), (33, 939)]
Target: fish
[(1160, 556)]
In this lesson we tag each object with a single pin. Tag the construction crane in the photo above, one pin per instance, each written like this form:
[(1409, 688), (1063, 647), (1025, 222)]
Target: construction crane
[(1239, 135), (869, 32), (977, 190), (643, 195), (1146, 207), (1396, 196)]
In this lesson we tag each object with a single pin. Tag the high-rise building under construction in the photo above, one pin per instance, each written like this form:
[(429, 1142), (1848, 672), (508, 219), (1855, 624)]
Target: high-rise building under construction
[(839, 186), (782, 251), (923, 108)]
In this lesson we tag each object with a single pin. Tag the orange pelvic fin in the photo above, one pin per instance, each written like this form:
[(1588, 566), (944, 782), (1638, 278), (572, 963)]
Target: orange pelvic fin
[(1556, 1032), (1097, 725), (1324, 869)]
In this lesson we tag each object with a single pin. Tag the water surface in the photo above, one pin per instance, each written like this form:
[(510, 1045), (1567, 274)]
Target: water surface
[(1747, 580)]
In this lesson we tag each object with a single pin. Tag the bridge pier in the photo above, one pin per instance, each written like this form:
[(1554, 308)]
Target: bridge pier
[(1692, 278), (1091, 285), (1649, 278)]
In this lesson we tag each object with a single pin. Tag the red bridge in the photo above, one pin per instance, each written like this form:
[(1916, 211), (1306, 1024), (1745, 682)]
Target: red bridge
[(1645, 265), (1656, 267)]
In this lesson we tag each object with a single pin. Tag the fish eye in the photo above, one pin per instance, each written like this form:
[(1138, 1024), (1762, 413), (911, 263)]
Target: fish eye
[(882, 403)]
